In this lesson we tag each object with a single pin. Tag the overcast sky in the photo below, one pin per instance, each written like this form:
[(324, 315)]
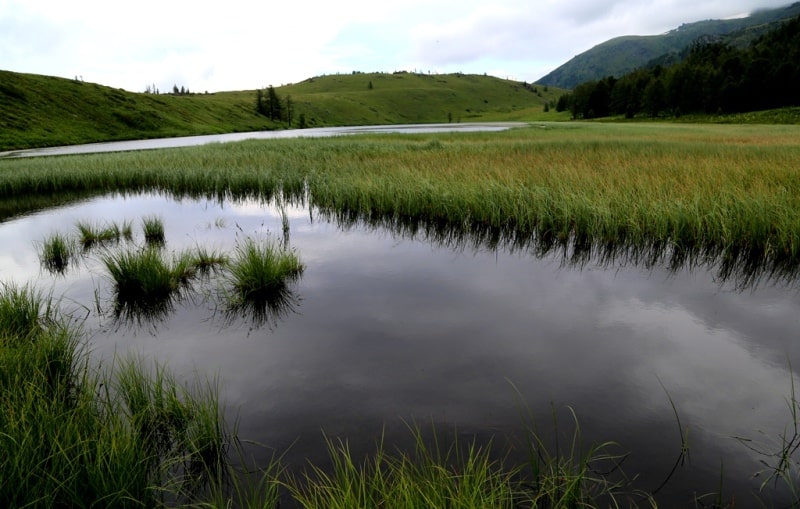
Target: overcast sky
[(248, 44)]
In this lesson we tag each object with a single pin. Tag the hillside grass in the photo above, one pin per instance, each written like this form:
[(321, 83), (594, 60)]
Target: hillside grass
[(40, 111)]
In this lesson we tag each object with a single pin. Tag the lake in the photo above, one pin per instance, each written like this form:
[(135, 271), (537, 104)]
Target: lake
[(316, 132), (386, 328)]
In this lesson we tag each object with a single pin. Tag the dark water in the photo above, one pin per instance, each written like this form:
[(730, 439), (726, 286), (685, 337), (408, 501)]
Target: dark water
[(387, 330)]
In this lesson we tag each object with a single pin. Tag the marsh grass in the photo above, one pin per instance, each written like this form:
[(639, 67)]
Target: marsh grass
[(57, 252), (76, 437), (721, 195), (153, 229), (455, 477), (208, 261), (260, 270), (90, 235), (258, 283)]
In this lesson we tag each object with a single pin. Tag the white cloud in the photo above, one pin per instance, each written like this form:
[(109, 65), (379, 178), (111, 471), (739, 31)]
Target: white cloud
[(243, 45)]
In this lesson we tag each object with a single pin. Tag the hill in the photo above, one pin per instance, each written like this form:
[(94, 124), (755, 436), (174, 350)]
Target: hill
[(622, 55), (41, 111)]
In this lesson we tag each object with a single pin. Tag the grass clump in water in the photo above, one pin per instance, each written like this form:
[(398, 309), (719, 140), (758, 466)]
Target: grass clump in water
[(459, 477), (153, 228), (261, 270), (57, 252), (90, 235), (143, 275)]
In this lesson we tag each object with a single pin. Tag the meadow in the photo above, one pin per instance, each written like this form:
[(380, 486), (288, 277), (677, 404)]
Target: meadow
[(723, 195)]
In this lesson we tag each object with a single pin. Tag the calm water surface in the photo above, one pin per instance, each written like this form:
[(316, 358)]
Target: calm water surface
[(316, 132), (387, 330)]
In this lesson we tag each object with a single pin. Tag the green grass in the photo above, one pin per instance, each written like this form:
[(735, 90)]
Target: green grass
[(153, 228), (90, 235), (671, 194), (41, 111), (260, 270), (56, 253), (76, 437), (143, 275)]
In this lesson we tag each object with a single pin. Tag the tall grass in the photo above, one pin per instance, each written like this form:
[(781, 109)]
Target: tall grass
[(721, 194), (75, 437)]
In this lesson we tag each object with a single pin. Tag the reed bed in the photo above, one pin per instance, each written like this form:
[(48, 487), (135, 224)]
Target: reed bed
[(71, 436), (727, 193)]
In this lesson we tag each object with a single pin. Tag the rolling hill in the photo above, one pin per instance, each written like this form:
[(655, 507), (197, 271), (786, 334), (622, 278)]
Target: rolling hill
[(39, 111)]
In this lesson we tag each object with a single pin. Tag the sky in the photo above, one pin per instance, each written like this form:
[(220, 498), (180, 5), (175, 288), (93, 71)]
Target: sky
[(247, 44)]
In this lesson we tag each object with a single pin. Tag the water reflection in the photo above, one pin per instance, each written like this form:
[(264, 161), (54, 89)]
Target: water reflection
[(429, 322), (745, 269), (264, 310)]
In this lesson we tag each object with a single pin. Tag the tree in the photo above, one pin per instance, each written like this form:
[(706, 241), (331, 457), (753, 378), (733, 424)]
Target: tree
[(274, 106), (289, 109), (261, 103)]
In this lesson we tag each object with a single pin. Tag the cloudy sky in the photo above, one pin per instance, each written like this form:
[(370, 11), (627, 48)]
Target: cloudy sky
[(248, 44)]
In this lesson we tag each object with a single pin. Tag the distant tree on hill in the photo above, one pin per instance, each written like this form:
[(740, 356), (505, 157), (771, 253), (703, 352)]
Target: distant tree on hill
[(269, 104)]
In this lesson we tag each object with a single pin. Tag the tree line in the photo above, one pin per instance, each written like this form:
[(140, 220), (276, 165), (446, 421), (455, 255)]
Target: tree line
[(712, 77)]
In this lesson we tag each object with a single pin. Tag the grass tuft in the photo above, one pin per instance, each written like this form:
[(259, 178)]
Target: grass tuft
[(57, 252), (260, 270), (153, 228)]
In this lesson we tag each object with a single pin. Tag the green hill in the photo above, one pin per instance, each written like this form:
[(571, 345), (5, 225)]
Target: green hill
[(40, 111), (622, 55)]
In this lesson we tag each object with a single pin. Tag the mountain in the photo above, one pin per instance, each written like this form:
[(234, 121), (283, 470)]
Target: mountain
[(621, 55)]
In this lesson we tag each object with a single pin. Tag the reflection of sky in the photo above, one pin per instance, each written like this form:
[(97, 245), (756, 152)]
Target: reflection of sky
[(389, 328)]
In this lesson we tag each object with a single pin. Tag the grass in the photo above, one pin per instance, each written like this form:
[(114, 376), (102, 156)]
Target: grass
[(153, 228), (90, 235), (133, 435), (260, 270), (671, 194), (57, 253), (75, 437), (457, 477)]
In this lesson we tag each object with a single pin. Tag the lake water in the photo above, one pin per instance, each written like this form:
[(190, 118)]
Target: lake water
[(386, 330), (316, 132)]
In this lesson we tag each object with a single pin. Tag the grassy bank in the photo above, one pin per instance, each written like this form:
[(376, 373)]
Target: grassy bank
[(663, 193)]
